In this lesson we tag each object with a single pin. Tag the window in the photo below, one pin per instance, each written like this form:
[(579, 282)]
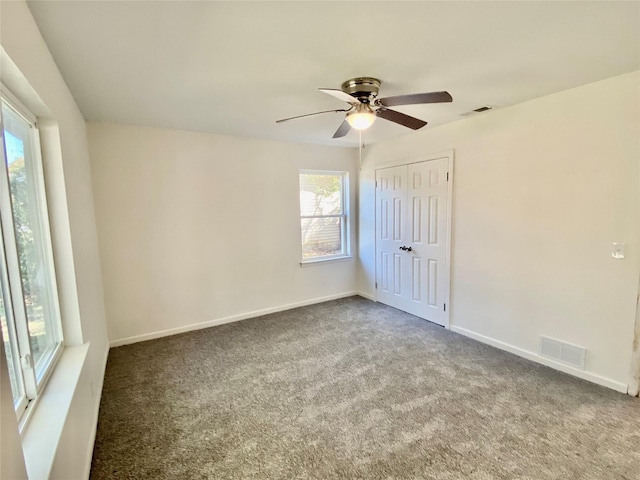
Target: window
[(323, 215), (29, 311)]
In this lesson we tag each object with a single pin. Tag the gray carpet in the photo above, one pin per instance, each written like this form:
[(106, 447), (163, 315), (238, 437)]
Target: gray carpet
[(351, 389)]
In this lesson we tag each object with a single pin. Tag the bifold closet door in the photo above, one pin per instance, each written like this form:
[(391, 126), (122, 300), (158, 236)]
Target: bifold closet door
[(411, 238)]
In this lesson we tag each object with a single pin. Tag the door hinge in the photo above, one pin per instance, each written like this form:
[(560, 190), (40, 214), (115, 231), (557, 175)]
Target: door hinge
[(376, 183), (376, 284), (445, 307), (447, 176)]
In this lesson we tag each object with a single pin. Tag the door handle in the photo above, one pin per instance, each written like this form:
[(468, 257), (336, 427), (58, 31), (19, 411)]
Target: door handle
[(406, 249)]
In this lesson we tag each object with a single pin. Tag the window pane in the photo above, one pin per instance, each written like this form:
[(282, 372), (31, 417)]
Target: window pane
[(10, 346), (320, 194), (34, 263), (9, 338), (321, 236)]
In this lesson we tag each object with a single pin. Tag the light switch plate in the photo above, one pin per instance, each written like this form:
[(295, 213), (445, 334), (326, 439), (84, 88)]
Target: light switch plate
[(618, 250)]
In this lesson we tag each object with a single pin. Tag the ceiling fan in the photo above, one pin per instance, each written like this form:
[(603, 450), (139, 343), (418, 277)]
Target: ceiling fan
[(361, 94)]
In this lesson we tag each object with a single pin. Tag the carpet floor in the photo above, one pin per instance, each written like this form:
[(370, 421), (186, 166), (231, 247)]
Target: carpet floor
[(351, 389)]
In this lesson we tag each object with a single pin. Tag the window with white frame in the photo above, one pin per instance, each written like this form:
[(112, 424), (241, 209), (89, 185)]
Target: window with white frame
[(29, 310), (324, 215)]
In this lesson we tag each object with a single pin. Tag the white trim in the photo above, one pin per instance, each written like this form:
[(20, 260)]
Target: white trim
[(321, 260), (450, 177), (634, 378), (46, 246), (223, 320), (529, 355), (315, 171), (409, 160)]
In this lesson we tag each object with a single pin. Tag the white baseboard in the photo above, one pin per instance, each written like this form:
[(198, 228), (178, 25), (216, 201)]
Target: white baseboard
[(368, 296), (229, 319), (591, 377)]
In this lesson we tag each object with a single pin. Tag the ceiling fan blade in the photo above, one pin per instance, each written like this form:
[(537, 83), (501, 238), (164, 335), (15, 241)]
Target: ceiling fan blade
[(342, 130), (345, 97), (414, 99), (309, 114), (400, 118)]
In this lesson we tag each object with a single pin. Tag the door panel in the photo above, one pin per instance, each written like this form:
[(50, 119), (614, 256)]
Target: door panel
[(434, 250), (412, 202), (391, 205)]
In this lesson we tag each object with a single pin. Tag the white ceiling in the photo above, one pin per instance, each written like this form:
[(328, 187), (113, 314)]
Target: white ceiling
[(236, 67)]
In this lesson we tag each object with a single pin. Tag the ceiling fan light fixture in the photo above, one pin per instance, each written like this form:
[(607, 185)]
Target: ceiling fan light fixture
[(362, 117)]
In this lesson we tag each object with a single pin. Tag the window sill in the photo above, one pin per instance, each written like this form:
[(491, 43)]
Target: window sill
[(323, 261), (43, 429)]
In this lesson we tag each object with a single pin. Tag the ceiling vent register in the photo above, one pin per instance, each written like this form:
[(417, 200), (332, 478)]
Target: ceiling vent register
[(475, 111)]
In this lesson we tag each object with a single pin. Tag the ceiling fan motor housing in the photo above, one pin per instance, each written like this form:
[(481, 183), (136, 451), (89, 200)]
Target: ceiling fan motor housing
[(363, 88)]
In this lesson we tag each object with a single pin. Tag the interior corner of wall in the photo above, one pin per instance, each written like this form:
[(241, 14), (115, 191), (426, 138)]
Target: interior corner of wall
[(634, 388)]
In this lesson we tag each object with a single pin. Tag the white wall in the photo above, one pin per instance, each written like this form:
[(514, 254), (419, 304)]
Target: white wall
[(541, 190), (70, 199), (197, 228)]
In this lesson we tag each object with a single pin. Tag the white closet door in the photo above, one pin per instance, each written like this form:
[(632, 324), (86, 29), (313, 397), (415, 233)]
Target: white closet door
[(393, 274), (411, 238)]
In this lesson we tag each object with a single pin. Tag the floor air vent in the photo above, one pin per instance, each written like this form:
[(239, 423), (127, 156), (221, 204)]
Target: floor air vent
[(562, 352)]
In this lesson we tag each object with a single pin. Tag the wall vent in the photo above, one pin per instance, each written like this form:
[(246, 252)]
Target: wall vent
[(562, 352), (484, 108)]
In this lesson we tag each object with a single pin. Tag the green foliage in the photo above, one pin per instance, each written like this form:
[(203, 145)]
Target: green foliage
[(325, 185), (27, 255)]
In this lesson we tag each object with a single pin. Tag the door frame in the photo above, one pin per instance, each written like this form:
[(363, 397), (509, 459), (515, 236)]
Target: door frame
[(448, 155), (633, 388)]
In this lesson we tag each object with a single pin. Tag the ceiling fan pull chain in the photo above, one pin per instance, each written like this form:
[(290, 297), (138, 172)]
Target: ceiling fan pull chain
[(360, 146)]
